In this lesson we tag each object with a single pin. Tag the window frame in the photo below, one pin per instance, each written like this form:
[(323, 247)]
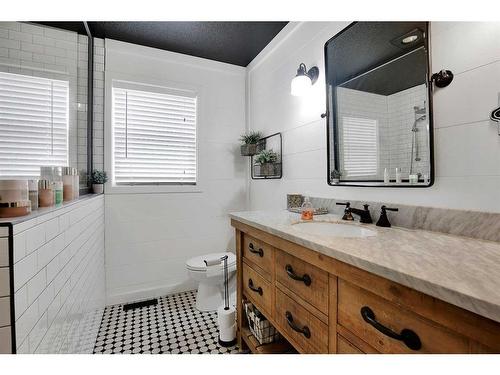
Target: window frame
[(143, 83)]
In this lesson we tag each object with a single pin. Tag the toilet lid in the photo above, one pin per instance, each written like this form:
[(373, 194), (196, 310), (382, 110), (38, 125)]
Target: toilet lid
[(198, 264)]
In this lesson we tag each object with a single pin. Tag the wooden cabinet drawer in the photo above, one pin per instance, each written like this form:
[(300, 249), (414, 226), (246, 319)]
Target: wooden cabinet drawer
[(258, 289), (307, 281), (310, 333), (433, 338), (345, 347), (258, 252)]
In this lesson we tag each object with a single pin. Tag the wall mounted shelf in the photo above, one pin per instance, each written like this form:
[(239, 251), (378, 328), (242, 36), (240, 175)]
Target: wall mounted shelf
[(268, 171)]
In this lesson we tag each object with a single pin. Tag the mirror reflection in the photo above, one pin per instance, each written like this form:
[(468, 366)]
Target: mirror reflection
[(379, 109)]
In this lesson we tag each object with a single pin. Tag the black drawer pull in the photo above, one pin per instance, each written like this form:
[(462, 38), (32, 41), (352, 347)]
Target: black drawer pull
[(252, 250), (255, 289), (304, 330), (306, 279), (409, 337)]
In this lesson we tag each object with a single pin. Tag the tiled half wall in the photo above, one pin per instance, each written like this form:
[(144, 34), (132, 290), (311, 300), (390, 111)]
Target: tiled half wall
[(58, 278)]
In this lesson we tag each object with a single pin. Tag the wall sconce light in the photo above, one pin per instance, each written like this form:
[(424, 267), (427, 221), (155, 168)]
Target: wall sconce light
[(304, 80)]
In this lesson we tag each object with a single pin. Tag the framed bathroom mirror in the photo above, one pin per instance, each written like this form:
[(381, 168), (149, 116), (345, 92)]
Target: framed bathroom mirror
[(379, 107)]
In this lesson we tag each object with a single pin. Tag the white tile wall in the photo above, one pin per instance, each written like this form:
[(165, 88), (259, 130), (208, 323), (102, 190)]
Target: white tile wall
[(59, 279), (5, 293), (467, 147), (52, 53), (395, 116), (149, 237)]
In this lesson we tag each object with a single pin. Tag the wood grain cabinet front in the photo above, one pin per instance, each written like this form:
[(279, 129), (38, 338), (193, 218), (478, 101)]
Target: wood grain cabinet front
[(258, 289), (322, 305), (391, 329), (345, 347), (306, 330), (305, 280), (259, 253)]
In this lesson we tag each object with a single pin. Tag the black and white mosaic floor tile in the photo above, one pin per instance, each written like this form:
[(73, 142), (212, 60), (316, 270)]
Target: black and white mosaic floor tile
[(173, 326)]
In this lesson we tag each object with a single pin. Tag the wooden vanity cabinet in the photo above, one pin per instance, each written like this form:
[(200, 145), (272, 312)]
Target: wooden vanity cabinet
[(322, 305)]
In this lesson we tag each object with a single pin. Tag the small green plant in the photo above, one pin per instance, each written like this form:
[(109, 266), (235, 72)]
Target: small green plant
[(251, 138), (336, 174), (99, 177), (266, 156)]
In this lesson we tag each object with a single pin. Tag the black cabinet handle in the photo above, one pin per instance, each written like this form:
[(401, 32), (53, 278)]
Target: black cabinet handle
[(409, 337), (306, 279), (252, 250), (304, 330), (255, 289)]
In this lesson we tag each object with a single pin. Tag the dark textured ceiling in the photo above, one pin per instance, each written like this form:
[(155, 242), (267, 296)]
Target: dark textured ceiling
[(231, 42), (366, 45)]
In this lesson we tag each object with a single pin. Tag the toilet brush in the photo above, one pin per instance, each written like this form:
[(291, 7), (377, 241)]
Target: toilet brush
[(226, 314)]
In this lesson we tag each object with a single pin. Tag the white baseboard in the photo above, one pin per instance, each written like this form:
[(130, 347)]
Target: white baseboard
[(128, 296)]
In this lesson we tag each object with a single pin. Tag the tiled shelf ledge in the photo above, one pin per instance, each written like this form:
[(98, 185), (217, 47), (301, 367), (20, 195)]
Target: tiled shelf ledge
[(22, 223)]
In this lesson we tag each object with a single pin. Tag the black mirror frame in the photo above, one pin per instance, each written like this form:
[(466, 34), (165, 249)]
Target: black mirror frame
[(331, 114)]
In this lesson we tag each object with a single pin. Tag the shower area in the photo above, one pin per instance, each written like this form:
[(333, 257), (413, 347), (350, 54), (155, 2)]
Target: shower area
[(415, 156), (404, 134)]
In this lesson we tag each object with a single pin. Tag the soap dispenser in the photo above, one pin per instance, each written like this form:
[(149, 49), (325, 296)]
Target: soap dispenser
[(307, 210)]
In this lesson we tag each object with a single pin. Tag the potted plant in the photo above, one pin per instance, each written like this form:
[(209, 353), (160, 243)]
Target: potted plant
[(267, 160), (250, 143), (336, 176), (99, 178)]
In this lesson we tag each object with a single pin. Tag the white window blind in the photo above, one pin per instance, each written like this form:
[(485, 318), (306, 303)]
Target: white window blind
[(154, 138), (33, 124), (360, 152)]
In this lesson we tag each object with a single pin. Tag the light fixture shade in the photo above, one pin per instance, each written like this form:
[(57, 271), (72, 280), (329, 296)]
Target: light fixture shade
[(300, 85)]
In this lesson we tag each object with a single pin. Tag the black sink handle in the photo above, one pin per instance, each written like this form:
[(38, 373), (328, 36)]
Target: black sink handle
[(306, 279), (304, 330), (409, 337), (255, 289), (252, 250)]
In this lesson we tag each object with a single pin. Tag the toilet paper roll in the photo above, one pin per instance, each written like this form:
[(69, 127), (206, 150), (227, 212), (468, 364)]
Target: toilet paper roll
[(213, 261), (227, 323)]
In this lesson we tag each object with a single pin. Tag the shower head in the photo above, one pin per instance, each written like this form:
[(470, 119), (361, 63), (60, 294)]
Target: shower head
[(419, 110), (420, 118)]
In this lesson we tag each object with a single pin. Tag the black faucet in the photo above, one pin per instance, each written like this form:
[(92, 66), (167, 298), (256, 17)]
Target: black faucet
[(347, 212), (364, 215), (383, 221)]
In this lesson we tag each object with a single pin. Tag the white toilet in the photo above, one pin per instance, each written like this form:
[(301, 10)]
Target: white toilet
[(211, 287)]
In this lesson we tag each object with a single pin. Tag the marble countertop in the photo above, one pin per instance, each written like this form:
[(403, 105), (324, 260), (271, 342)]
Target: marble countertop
[(462, 271)]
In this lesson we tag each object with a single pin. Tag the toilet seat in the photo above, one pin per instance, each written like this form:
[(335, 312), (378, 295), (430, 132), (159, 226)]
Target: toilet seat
[(197, 264)]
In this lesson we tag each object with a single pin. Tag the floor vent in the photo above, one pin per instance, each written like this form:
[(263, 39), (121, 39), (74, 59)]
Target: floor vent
[(136, 305)]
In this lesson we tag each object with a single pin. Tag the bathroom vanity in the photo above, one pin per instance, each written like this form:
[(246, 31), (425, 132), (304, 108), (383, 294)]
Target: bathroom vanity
[(380, 290)]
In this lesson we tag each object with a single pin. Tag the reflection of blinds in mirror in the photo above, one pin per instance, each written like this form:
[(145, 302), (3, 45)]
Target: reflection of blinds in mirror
[(359, 146)]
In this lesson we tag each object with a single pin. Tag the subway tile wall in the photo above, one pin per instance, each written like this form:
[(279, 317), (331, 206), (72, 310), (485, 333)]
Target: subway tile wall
[(58, 54), (5, 293), (401, 117), (59, 279), (395, 116)]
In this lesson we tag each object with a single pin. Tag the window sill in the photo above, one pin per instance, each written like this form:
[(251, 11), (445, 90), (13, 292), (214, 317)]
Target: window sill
[(151, 189)]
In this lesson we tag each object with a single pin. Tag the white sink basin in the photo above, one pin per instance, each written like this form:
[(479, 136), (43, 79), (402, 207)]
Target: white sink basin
[(324, 228)]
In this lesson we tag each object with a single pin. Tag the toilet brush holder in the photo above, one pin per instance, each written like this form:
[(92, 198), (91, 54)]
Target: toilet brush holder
[(226, 316)]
